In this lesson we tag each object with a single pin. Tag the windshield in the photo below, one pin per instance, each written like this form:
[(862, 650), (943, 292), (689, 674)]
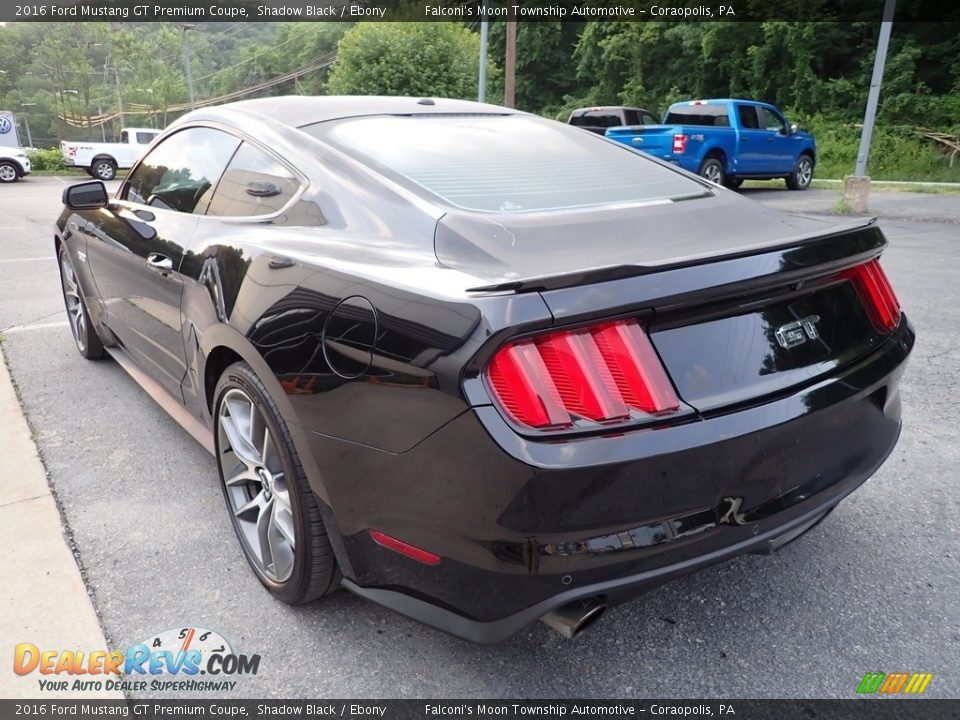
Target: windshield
[(506, 163)]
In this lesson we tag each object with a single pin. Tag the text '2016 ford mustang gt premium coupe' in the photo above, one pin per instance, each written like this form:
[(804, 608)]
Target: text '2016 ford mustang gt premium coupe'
[(480, 367)]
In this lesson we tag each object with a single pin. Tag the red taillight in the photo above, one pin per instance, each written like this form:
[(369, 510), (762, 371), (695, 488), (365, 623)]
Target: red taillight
[(399, 546), (876, 294), (596, 373), (679, 143)]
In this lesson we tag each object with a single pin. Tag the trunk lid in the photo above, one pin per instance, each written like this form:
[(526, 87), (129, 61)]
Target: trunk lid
[(741, 303)]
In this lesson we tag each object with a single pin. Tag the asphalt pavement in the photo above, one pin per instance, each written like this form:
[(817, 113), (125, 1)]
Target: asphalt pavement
[(873, 588)]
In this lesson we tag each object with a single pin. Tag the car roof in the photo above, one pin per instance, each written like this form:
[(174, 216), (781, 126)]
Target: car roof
[(608, 107), (300, 110), (719, 101)]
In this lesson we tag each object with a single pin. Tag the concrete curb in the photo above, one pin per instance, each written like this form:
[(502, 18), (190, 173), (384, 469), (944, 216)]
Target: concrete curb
[(43, 598)]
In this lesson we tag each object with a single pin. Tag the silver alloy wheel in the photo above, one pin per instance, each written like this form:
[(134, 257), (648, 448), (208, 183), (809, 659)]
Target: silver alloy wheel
[(712, 173), (71, 295), (804, 172), (8, 173), (104, 171), (257, 491)]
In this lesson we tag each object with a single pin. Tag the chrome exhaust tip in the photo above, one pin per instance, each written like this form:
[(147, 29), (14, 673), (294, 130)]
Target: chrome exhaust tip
[(573, 618)]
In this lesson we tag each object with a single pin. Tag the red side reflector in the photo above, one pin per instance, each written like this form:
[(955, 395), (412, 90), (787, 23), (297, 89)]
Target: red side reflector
[(596, 373), (876, 294), (398, 546), (679, 143)]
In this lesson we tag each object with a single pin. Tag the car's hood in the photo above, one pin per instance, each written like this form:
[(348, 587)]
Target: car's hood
[(506, 248)]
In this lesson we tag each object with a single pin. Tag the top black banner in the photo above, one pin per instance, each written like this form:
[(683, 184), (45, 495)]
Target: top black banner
[(470, 11)]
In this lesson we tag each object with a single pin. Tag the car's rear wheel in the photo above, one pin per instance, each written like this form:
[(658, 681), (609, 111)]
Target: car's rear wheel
[(712, 170), (733, 182), (802, 174), (273, 510), (8, 172), (81, 327), (104, 169)]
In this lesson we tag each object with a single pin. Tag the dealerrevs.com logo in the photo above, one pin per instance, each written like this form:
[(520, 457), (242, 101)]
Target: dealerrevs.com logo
[(179, 659)]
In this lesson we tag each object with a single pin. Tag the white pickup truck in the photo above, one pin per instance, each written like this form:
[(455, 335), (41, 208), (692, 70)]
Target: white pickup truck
[(101, 160)]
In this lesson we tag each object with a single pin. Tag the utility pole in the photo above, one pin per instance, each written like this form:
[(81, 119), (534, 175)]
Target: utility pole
[(510, 70), (26, 121), (186, 62), (856, 187), (484, 32), (116, 75)]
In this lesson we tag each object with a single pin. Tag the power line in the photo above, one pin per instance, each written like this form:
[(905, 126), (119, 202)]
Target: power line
[(319, 63)]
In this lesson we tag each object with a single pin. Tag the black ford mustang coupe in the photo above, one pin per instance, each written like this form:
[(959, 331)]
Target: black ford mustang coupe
[(480, 367)]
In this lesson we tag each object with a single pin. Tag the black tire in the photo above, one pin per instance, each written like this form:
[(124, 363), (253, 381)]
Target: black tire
[(104, 169), (802, 174), (733, 182), (81, 327), (712, 170), (9, 173), (314, 570)]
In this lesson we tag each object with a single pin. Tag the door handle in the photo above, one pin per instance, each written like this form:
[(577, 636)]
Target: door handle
[(769, 139), (158, 262), (744, 139)]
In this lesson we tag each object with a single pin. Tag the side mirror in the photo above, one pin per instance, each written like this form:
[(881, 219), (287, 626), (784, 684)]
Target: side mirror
[(86, 196), (793, 128)]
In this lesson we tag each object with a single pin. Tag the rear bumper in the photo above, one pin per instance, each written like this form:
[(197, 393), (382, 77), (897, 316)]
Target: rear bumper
[(612, 592), (524, 527)]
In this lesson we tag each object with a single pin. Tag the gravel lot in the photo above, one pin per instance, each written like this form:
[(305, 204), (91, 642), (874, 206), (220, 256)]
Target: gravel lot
[(875, 587)]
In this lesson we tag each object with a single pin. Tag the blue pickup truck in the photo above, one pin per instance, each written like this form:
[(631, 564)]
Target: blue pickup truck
[(727, 141)]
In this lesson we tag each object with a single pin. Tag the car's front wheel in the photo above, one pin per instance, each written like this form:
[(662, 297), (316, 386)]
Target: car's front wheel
[(272, 508), (104, 169), (81, 327), (8, 172), (802, 174)]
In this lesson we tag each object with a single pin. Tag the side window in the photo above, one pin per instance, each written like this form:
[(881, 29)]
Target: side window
[(632, 117), (748, 117), (124, 137), (145, 138), (648, 119), (772, 121), (254, 184), (180, 173)]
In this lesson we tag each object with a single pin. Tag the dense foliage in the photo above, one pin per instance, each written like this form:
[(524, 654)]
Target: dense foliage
[(407, 59), (69, 80)]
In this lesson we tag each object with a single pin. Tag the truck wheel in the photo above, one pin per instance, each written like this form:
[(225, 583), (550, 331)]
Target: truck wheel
[(712, 170), (802, 174), (8, 172), (104, 169)]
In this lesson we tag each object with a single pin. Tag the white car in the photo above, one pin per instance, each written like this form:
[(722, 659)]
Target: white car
[(101, 160), (14, 164)]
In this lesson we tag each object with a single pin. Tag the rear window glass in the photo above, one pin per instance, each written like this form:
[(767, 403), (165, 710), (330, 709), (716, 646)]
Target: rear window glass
[(506, 163), (597, 118), (715, 115)]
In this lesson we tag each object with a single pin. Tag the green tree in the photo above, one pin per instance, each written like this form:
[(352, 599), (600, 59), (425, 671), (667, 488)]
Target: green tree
[(436, 59), (546, 70)]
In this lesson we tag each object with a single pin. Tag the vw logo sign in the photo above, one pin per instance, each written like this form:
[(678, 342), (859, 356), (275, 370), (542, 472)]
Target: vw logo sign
[(5, 125)]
